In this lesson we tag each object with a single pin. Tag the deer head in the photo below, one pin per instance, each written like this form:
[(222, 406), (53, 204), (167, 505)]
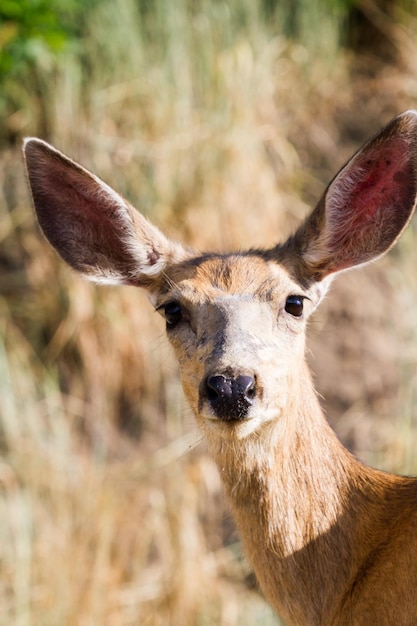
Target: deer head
[(237, 321)]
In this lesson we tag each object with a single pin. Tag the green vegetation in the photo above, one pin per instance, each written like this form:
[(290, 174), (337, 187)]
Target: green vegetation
[(221, 120)]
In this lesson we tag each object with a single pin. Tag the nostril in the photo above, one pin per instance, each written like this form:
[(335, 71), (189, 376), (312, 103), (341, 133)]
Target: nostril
[(251, 393), (245, 387), (218, 387)]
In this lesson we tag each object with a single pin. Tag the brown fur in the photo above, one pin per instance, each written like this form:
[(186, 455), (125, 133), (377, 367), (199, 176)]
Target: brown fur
[(332, 542)]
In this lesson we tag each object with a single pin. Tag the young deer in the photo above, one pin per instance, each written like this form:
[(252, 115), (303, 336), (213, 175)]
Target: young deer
[(331, 540)]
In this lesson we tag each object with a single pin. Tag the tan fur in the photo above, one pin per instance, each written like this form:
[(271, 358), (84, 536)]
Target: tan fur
[(332, 542)]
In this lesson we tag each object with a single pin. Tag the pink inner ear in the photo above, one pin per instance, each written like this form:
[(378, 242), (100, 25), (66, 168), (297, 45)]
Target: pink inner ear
[(369, 203), (385, 176)]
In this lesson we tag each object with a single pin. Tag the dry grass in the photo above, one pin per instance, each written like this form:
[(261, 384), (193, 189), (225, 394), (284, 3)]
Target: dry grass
[(111, 514)]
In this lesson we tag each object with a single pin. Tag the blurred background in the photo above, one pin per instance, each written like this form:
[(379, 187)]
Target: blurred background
[(223, 122)]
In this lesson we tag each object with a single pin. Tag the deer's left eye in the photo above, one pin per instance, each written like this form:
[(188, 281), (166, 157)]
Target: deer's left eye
[(173, 313), (294, 305)]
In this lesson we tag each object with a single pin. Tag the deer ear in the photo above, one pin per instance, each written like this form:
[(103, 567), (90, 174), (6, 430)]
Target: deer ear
[(366, 206), (93, 228)]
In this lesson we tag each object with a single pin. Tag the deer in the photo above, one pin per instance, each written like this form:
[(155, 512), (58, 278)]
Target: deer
[(332, 541)]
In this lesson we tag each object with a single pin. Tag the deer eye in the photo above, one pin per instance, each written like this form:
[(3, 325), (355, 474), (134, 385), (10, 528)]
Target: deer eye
[(294, 305), (173, 313)]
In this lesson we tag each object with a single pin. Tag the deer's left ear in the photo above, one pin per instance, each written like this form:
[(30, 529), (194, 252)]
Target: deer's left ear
[(366, 206), (91, 226)]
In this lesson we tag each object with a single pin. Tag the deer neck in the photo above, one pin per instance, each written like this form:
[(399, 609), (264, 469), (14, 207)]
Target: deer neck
[(298, 498)]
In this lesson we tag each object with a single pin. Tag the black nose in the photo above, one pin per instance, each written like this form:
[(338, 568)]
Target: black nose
[(230, 397)]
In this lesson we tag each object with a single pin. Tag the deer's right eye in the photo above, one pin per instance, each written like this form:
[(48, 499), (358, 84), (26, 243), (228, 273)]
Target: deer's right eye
[(173, 313), (294, 305)]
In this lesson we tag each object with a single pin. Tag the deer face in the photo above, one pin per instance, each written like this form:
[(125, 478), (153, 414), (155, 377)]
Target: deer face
[(237, 325)]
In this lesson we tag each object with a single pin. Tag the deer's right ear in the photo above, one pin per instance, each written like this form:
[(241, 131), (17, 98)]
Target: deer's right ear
[(93, 228), (366, 206)]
